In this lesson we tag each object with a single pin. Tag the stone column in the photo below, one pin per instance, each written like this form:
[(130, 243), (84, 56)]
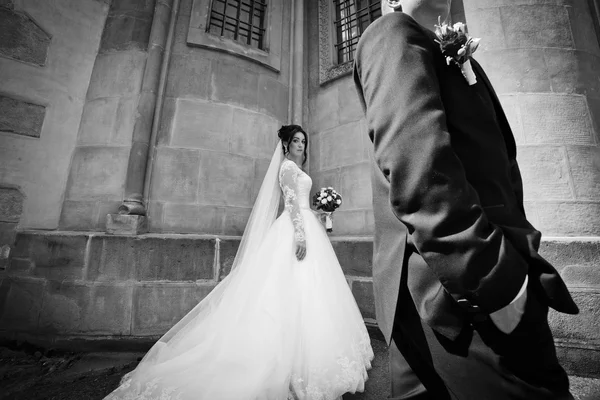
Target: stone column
[(297, 64), (131, 217), (543, 59)]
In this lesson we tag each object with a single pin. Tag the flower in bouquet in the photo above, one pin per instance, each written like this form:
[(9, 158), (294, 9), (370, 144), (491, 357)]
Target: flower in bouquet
[(458, 47), (327, 200)]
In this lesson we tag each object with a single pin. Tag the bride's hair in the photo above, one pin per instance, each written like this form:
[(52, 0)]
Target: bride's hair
[(286, 134)]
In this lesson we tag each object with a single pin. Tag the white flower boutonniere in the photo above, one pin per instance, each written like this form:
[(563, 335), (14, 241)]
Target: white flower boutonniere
[(457, 46)]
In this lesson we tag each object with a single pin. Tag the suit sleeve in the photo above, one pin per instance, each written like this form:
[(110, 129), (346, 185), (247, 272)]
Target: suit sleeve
[(429, 192)]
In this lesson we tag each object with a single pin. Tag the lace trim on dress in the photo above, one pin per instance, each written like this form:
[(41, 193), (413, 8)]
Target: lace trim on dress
[(288, 181)]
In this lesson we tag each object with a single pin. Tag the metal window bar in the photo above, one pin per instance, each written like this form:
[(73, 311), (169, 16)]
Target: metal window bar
[(351, 19), (240, 20)]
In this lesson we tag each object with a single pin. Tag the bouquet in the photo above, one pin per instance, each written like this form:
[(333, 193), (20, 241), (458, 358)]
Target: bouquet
[(327, 200), (457, 46)]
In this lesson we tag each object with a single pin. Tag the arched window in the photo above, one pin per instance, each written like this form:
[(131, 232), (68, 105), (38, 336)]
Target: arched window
[(240, 20)]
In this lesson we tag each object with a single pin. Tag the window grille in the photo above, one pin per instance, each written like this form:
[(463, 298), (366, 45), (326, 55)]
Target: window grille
[(351, 19), (240, 20)]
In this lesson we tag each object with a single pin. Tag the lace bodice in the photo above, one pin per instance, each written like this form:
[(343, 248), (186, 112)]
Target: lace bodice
[(295, 185)]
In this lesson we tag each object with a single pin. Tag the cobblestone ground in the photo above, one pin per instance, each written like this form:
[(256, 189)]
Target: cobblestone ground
[(30, 374)]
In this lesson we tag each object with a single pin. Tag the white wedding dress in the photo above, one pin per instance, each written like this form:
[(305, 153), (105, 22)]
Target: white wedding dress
[(277, 329)]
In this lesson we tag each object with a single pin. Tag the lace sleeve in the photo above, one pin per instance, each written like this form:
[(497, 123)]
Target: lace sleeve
[(288, 180)]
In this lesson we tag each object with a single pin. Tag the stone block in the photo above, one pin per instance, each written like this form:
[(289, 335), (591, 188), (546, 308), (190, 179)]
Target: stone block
[(138, 8), (53, 256), (556, 119), (21, 117), (565, 253), (227, 251), (579, 361), (234, 85), (189, 76), (531, 212), (64, 307), (534, 26), (22, 304), (11, 204), (573, 71), (355, 257), (511, 107), (353, 223), (260, 170), (108, 311), (118, 224), (97, 173), (350, 108), (583, 327), (342, 146), (167, 121), (545, 172), (97, 122), (356, 187), (327, 178), (154, 212), (584, 163), (363, 294), (226, 179), (323, 109), (253, 134), (176, 175), (7, 233), (190, 218), (594, 107), (117, 74), (78, 215), (518, 70), (236, 219), (202, 125), (583, 276), (569, 218), (486, 24), (111, 258), (273, 98), (157, 307), (314, 153), (125, 32), (21, 38)]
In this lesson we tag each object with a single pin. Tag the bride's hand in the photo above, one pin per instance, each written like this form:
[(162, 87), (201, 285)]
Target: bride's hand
[(300, 250)]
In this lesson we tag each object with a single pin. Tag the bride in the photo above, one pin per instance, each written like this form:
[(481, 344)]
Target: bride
[(283, 325)]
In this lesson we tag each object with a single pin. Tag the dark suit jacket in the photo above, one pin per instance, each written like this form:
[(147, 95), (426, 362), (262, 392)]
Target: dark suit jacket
[(447, 192)]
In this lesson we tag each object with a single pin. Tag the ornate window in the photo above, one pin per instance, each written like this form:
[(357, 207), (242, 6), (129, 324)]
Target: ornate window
[(351, 19), (241, 20)]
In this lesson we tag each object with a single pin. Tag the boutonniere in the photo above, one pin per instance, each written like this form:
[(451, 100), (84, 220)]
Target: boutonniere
[(457, 46)]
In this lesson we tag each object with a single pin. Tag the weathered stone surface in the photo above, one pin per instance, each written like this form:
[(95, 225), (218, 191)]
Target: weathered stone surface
[(570, 252), (21, 38), (97, 173), (585, 326), (527, 71), (132, 7), (579, 360), (228, 249), (587, 276), (253, 134), (511, 107), (342, 146), (356, 187), (260, 170), (109, 310), (151, 258), (156, 308), (352, 222), (176, 175), (569, 218), (323, 109), (582, 26), (585, 170), (63, 307), (202, 125), (56, 256), (234, 85), (235, 220), (363, 293), (573, 71), (226, 179), (273, 98), (11, 204), (21, 117), (540, 25), (556, 119), (118, 224), (108, 121), (486, 23), (189, 76), (350, 108), (355, 257), (7, 233), (78, 215), (22, 304), (117, 74), (126, 32), (545, 172)]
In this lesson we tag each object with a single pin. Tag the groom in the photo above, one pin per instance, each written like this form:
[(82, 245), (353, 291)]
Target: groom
[(462, 294)]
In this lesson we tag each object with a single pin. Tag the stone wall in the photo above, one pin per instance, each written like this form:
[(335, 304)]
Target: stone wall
[(47, 50), (218, 131)]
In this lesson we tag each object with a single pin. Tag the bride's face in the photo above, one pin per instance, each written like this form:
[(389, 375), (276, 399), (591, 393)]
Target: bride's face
[(297, 145)]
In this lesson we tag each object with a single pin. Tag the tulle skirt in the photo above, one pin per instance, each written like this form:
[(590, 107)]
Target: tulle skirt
[(274, 329)]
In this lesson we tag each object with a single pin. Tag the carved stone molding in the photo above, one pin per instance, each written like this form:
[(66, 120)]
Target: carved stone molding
[(21, 117), (328, 69)]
